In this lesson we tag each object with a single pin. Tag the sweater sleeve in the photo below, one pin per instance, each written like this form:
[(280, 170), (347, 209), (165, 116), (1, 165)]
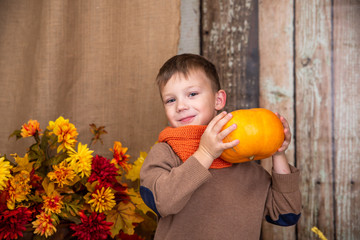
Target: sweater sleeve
[(166, 184), (283, 204)]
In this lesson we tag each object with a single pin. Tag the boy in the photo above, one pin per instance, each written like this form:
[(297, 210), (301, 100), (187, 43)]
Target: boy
[(195, 193)]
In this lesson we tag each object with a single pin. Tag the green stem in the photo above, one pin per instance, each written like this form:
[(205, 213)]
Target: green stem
[(37, 138)]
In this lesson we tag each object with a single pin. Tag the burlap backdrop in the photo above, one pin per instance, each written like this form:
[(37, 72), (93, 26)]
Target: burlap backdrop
[(88, 61)]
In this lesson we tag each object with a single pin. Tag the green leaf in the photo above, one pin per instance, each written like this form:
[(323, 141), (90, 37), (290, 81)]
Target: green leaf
[(57, 159), (70, 211), (49, 187), (55, 218), (44, 143), (17, 134), (34, 198)]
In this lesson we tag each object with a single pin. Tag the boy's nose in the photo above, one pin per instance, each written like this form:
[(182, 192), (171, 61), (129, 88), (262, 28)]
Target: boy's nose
[(181, 106)]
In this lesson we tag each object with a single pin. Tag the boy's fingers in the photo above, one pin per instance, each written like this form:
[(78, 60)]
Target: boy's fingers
[(287, 132), (216, 119), (282, 148), (227, 131), (221, 122), (231, 144), (284, 122)]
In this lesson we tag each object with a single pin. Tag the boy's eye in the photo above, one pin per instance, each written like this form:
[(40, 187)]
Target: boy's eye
[(193, 94), (170, 100)]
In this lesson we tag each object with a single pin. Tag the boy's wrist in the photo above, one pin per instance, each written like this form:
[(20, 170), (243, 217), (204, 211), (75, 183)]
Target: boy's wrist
[(280, 163), (203, 157)]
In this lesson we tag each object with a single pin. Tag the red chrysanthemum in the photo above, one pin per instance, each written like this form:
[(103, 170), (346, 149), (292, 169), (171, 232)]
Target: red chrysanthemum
[(103, 171), (35, 181), (121, 193), (93, 227), (35, 210), (12, 222), (3, 196)]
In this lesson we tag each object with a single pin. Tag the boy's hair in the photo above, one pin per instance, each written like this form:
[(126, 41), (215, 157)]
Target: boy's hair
[(185, 63)]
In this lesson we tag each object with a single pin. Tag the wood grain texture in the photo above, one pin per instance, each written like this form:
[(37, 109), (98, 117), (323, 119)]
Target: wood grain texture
[(347, 118), (309, 72), (230, 41), (189, 41), (314, 115), (276, 48)]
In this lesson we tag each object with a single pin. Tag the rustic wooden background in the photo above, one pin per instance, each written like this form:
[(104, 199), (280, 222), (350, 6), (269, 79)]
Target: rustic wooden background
[(299, 58)]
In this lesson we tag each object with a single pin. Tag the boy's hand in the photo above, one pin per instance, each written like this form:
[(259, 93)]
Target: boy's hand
[(287, 133), (211, 143), (280, 162)]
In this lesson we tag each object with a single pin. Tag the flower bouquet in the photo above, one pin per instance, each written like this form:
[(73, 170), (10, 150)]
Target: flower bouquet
[(57, 183)]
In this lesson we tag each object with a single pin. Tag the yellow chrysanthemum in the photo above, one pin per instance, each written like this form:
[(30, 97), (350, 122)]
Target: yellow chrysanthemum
[(102, 200), (29, 129), (65, 131), (44, 225), (19, 188), (62, 174), (81, 160), (5, 173), (52, 204)]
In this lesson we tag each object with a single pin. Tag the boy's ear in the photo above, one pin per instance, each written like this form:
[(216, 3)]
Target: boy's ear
[(220, 99)]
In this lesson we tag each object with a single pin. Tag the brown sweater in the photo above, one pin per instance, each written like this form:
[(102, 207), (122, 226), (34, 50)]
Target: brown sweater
[(229, 203)]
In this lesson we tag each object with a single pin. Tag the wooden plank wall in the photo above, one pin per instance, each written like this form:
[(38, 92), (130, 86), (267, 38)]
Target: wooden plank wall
[(346, 119), (309, 71), (276, 48), (313, 64), (229, 41)]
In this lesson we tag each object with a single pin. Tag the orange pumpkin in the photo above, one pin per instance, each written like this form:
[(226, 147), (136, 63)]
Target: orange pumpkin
[(260, 133)]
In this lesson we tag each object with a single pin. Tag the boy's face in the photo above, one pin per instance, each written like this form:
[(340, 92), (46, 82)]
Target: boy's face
[(191, 100)]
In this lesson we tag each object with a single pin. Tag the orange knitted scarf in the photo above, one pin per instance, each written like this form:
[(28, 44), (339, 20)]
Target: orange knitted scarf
[(185, 141)]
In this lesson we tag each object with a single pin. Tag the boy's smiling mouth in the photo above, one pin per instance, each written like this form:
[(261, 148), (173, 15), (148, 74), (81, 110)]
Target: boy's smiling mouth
[(188, 119)]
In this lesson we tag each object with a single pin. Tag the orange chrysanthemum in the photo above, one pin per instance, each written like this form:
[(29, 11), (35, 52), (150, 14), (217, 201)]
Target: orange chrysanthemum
[(65, 131), (62, 174), (44, 225), (52, 204), (30, 129), (120, 157), (19, 188)]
